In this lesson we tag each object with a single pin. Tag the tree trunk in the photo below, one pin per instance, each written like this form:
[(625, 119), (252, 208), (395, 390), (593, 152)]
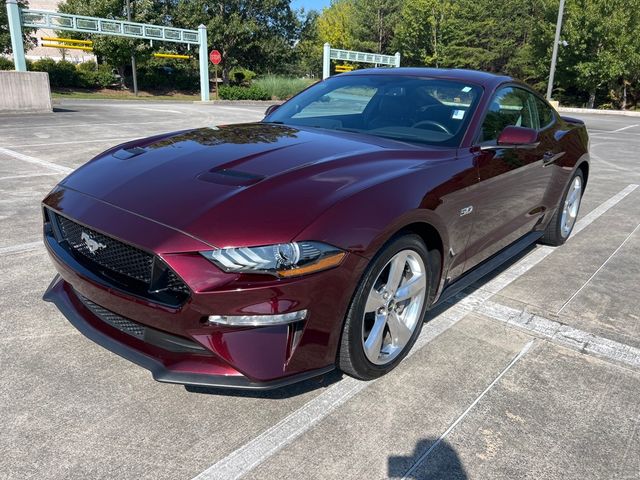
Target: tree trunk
[(380, 30), (592, 99)]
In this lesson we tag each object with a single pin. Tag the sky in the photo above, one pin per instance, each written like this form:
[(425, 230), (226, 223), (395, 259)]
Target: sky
[(310, 4)]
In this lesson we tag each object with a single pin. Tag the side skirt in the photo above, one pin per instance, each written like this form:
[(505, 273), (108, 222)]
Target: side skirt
[(488, 266)]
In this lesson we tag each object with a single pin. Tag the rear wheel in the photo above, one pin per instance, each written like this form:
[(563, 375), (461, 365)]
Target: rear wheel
[(564, 218), (387, 311)]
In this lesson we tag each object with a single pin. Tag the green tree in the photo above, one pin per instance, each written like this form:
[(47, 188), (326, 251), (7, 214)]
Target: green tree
[(359, 24), (374, 23), (336, 25), (603, 51), (258, 34), (493, 36), (308, 50), (5, 35), (420, 31), (117, 51)]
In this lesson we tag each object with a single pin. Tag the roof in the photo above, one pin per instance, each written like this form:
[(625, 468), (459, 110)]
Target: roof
[(473, 76)]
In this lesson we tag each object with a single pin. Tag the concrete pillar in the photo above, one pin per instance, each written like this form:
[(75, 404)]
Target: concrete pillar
[(326, 61), (204, 63), (397, 59), (15, 27)]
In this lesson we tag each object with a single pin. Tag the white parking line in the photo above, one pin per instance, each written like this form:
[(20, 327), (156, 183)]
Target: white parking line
[(34, 160), (253, 453), (248, 109), (562, 334), (256, 451), (74, 142), (86, 124), (21, 248), (624, 128), (542, 252), (598, 270), (30, 175), (424, 456)]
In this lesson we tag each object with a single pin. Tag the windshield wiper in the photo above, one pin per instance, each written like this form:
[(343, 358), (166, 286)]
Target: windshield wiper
[(353, 130)]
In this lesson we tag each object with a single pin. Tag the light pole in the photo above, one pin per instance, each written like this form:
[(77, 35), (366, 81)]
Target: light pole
[(554, 55), (134, 73)]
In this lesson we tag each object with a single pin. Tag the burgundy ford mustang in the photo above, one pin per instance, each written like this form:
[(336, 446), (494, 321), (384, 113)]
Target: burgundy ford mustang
[(257, 255)]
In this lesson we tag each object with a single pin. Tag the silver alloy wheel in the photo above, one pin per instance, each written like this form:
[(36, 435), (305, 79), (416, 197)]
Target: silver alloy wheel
[(394, 307), (571, 207)]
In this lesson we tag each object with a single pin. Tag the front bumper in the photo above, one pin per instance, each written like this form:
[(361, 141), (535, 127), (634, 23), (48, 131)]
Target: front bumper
[(164, 367), (239, 357)]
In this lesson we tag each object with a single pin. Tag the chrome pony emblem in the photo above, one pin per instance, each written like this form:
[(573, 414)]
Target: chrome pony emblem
[(92, 245)]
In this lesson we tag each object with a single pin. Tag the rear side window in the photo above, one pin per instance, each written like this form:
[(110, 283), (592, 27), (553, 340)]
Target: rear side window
[(511, 106), (545, 113)]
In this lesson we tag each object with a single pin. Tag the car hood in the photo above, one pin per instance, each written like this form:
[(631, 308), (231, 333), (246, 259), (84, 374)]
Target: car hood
[(242, 184)]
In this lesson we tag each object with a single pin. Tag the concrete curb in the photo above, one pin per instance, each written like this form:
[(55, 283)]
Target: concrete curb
[(254, 103), (624, 113)]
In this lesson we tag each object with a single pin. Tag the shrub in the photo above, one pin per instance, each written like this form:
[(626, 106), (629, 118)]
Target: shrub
[(166, 74), (278, 87), (93, 75), (233, 92), (61, 74), (241, 76), (6, 64)]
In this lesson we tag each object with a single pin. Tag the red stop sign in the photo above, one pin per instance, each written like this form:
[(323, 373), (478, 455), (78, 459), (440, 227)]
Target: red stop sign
[(215, 57)]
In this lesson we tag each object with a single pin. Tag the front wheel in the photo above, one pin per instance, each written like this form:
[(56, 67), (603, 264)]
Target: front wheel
[(387, 311), (564, 218)]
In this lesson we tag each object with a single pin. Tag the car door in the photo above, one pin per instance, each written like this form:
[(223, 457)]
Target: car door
[(512, 181)]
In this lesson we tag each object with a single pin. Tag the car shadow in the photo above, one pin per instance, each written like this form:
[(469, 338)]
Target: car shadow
[(441, 462), (289, 391)]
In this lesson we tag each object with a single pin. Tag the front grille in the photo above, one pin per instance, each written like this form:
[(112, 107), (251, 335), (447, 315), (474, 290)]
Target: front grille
[(119, 264), (108, 252), (164, 340)]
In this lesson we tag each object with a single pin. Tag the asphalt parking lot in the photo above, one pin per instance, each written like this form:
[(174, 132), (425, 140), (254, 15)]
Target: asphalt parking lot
[(534, 373)]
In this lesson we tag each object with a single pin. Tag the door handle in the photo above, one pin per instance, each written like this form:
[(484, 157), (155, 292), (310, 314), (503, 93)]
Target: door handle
[(550, 157)]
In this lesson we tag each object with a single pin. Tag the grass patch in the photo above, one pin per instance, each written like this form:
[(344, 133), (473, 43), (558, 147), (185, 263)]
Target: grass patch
[(281, 88), (107, 94)]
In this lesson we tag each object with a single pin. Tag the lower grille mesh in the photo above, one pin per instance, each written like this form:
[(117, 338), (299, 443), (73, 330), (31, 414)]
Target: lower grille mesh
[(164, 340), (123, 324)]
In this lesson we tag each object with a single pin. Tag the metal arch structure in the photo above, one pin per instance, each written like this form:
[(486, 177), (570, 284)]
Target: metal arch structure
[(353, 56), (19, 18)]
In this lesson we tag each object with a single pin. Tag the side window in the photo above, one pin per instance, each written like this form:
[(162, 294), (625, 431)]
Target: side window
[(510, 107), (545, 113)]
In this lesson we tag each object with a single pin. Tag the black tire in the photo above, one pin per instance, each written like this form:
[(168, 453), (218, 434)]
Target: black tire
[(553, 233), (351, 355)]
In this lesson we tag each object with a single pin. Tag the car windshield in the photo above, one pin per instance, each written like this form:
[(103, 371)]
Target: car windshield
[(407, 108)]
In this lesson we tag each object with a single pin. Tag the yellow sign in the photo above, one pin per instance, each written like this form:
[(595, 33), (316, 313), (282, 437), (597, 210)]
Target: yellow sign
[(72, 47), (171, 55), (67, 40), (344, 68)]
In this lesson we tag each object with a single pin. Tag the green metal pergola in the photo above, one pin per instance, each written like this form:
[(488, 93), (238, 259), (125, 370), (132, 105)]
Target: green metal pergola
[(19, 18)]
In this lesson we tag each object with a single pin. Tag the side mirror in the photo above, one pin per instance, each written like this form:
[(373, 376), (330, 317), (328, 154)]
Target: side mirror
[(271, 109), (518, 137)]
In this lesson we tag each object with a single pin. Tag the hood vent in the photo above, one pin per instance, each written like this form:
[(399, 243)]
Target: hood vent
[(127, 153), (234, 178)]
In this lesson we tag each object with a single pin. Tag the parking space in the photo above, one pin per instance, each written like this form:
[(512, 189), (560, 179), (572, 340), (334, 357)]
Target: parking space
[(533, 373)]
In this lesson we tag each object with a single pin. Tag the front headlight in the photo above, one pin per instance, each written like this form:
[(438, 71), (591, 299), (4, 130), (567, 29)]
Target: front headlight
[(282, 260)]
